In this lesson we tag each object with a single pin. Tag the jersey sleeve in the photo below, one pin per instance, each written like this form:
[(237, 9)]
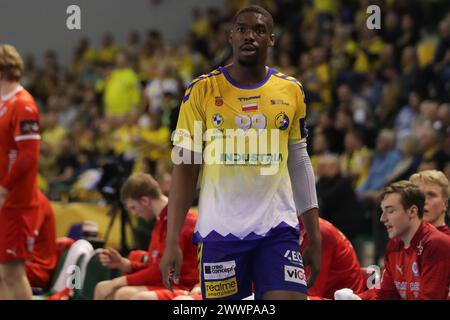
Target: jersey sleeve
[(191, 120), (25, 122), (387, 290), (298, 131), (435, 274)]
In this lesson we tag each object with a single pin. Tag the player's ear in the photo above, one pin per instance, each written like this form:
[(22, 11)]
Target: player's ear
[(272, 40), (413, 211), (230, 37)]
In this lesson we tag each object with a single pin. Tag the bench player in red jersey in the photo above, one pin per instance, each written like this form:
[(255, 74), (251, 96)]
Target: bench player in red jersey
[(42, 263), (435, 185), (19, 154), (339, 266), (417, 259), (142, 195)]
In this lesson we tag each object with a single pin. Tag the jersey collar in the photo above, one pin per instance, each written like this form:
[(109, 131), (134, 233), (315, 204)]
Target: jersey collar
[(269, 72), (8, 96)]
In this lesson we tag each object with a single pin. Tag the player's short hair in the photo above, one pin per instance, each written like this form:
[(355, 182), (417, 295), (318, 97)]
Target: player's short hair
[(434, 177), (11, 63), (410, 195), (256, 9), (140, 185)]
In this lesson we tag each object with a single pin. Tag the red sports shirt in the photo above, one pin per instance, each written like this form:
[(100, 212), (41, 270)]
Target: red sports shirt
[(45, 257), (339, 264), (421, 271), (19, 149), (445, 229), (149, 274)]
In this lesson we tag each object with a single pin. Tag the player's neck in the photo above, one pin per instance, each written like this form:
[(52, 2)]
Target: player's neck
[(407, 237), (6, 87), (247, 76), (439, 222), (158, 205)]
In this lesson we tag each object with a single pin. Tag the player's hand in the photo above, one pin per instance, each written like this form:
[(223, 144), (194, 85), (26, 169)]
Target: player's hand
[(112, 259), (197, 290), (170, 265), (3, 194), (311, 258)]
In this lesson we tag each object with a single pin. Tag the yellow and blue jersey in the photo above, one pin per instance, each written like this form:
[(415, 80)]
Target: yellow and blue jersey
[(243, 133)]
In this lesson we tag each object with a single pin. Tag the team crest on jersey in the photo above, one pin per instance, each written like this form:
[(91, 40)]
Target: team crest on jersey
[(29, 126), (282, 121), (219, 101), (217, 120)]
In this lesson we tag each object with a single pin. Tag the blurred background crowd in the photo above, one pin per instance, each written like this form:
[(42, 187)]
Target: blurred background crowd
[(378, 100)]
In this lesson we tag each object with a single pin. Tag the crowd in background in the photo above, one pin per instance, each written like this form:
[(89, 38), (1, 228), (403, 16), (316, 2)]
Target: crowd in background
[(378, 100)]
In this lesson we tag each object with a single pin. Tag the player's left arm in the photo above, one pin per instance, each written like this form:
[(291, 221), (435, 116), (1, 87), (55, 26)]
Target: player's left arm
[(304, 187), (435, 274), (26, 134)]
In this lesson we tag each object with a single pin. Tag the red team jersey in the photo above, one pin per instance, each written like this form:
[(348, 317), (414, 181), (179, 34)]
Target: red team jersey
[(149, 274), (19, 154), (339, 266), (43, 262), (419, 272), (445, 229), (19, 125)]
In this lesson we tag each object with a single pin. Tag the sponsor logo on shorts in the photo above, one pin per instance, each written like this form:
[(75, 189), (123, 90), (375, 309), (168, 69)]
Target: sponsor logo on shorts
[(221, 289), (294, 257), (294, 274), (219, 270)]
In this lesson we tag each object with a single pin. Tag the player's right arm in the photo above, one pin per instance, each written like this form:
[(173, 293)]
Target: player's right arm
[(387, 290), (187, 148)]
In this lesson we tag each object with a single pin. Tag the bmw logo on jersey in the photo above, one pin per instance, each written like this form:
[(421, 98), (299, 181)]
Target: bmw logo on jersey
[(217, 120)]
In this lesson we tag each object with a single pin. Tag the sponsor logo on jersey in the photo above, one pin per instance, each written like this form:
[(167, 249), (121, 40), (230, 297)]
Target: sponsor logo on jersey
[(11, 252), (415, 269), (249, 98), (278, 102), (219, 101), (30, 244), (217, 120), (253, 106), (282, 121), (154, 255), (29, 126), (220, 270), (399, 268), (419, 249), (221, 289), (294, 274)]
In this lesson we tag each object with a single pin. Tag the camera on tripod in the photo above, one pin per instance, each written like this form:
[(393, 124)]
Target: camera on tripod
[(115, 173)]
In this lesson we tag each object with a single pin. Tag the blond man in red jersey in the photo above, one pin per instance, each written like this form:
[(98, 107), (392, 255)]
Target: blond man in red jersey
[(19, 154)]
